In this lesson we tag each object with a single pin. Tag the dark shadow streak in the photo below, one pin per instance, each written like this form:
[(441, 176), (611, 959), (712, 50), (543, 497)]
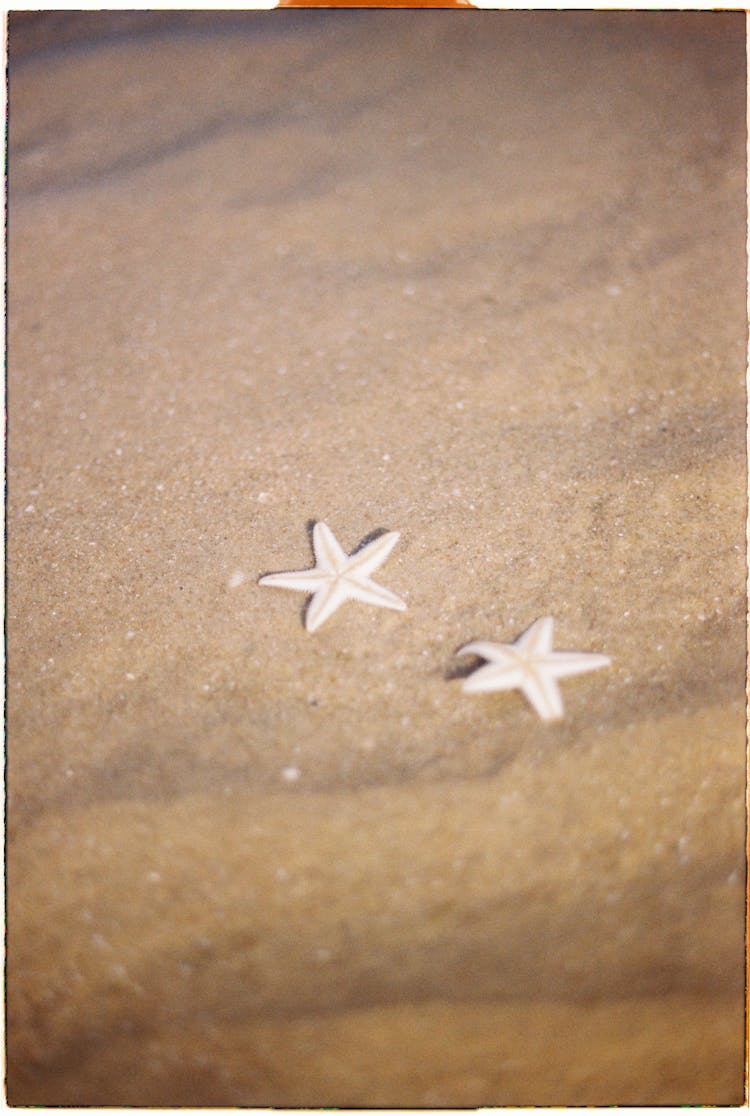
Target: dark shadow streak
[(463, 669), (134, 160), (376, 534)]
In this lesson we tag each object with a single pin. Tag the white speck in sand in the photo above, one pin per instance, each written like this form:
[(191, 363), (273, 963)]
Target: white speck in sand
[(262, 497), (160, 488), (129, 635), (236, 579), (118, 451), (281, 874), (29, 508), (632, 410), (153, 877), (614, 290), (409, 290), (460, 405), (130, 677), (386, 457), (290, 774)]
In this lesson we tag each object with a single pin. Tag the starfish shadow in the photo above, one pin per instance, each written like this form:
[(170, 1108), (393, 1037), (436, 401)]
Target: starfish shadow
[(462, 669), (370, 537)]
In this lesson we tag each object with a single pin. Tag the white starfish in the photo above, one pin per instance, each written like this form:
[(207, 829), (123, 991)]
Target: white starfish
[(338, 577), (529, 665)]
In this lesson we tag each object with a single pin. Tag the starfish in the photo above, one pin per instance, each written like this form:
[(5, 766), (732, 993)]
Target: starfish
[(529, 665), (337, 577)]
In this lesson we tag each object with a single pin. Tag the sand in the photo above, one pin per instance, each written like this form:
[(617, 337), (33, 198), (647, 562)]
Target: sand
[(475, 277)]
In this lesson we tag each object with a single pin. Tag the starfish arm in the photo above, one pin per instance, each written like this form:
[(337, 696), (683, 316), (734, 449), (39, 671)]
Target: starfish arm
[(304, 581), (542, 691), (362, 589), (324, 604), (365, 561), (492, 677), (537, 640), (493, 652), (564, 664), (328, 554)]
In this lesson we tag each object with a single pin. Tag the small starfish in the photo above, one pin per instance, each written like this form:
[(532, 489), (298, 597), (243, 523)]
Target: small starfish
[(529, 665), (337, 577)]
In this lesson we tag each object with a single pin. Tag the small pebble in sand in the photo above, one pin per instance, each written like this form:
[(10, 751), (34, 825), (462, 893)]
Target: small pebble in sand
[(290, 774), (236, 579)]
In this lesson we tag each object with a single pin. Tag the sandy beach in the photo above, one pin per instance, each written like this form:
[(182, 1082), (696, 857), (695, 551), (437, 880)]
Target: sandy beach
[(475, 277)]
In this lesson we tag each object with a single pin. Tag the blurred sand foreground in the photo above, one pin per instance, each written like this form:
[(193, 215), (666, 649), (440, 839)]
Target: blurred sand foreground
[(475, 277)]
